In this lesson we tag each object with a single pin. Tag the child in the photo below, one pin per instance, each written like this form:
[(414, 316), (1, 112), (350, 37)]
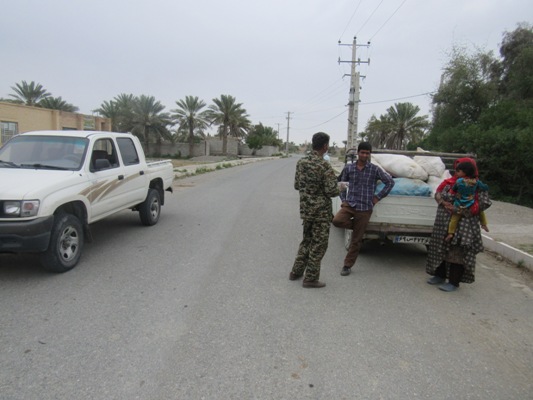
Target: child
[(465, 188)]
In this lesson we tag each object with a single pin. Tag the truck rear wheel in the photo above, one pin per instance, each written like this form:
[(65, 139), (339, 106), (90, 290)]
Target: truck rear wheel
[(66, 244), (150, 209)]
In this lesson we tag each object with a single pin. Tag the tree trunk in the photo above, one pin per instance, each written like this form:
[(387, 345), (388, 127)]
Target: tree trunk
[(225, 141), (191, 141), (146, 142)]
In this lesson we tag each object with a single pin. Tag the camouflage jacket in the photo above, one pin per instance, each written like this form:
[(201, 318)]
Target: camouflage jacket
[(317, 183)]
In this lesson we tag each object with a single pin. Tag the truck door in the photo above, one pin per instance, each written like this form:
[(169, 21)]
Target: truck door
[(135, 180), (106, 176)]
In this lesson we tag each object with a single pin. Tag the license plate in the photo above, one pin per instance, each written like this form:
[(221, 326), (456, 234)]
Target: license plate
[(411, 239)]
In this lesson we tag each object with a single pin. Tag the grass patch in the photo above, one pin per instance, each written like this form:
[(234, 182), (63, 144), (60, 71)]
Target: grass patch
[(203, 170)]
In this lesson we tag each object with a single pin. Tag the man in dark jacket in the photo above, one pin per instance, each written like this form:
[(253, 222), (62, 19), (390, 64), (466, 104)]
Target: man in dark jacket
[(316, 181)]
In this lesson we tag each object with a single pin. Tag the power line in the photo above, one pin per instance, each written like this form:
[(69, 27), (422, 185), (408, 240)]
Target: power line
[(325, 122), (399, 98), (385, 23), (350, 20), (368, 19)]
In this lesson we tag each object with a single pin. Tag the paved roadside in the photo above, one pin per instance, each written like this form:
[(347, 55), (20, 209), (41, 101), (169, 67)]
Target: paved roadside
[(510, 232), (193, 169)]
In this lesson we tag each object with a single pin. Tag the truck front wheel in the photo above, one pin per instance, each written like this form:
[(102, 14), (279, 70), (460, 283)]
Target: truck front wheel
[(66, 244), (150, 209)]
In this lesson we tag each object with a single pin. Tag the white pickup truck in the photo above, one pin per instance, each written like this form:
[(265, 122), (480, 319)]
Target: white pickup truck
[(401, 219), (54, 184)]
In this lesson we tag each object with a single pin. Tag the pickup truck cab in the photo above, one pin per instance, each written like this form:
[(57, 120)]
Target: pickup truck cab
[(54, 184)]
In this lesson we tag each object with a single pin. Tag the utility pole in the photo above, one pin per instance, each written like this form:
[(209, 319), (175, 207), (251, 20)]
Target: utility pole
[(353, 97), (278, 130), (287, 143)]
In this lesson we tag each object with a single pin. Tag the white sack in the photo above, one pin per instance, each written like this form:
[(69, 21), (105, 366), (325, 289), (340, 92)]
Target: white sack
[(432, 165), (401, 166), (435, 181)]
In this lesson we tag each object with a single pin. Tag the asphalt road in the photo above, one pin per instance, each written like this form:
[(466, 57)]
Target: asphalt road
[(200, 307)]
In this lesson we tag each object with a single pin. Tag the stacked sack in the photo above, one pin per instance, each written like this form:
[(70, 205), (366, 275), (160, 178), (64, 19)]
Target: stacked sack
[(417, 176)]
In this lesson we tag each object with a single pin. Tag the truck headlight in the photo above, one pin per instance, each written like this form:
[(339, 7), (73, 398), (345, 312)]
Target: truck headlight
[(25, 208)]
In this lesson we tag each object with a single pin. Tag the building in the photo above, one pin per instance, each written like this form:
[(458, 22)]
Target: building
[(18, 118)]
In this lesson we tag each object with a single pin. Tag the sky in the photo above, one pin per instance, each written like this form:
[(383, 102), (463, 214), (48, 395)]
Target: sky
[(274, 56)]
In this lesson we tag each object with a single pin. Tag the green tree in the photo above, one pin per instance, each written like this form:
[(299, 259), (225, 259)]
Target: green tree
[(120, 110), (396, 129), (109, 109), (29, 93), (377, 131), (260, 135), (149, 120), (230, 117), (191, 118), (485, 106), (517, 58), (57, 103)]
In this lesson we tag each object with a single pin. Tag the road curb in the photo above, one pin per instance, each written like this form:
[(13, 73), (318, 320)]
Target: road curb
[(514, 255)]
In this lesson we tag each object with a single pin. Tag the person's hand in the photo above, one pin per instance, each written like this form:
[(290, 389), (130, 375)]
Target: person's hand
[(343, 186), (375, 200), (448, 206)]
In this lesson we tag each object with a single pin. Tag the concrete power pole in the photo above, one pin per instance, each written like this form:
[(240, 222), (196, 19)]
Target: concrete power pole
[(287, 143), (353, 97)]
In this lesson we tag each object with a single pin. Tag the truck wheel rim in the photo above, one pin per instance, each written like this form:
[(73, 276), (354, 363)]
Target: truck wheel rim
[(68, 245), (154, 208)]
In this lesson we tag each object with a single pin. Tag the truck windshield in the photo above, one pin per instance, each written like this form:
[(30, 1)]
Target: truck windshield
[(44, 152)]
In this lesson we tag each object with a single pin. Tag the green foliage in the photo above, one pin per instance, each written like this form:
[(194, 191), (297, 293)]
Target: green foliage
[(35, 95), (29, 93), (398, 128), (260, 135), (57, 103), (191, 119), (485, 106), (143, 116), (230, 117)]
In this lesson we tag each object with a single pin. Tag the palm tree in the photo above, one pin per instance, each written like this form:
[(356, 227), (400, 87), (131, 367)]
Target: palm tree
[(230, 117), (57, 103), (405, 125), (109, 109), (191, 118), (120, 110), (378, 131), (149, 119), (29, 94)]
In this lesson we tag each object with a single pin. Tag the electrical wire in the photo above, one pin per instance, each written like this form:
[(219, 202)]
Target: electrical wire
[(385, 23), (399, 98), (368, 19), (348, 24), (325, 122)]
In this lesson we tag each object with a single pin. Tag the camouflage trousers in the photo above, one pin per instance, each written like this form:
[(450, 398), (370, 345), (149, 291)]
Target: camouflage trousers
[(312, 249)]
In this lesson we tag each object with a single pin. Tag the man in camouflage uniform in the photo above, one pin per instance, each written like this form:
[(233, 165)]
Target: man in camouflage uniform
[(317, 183)]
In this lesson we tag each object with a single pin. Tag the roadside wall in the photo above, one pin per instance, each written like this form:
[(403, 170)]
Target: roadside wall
[(211, 147)]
